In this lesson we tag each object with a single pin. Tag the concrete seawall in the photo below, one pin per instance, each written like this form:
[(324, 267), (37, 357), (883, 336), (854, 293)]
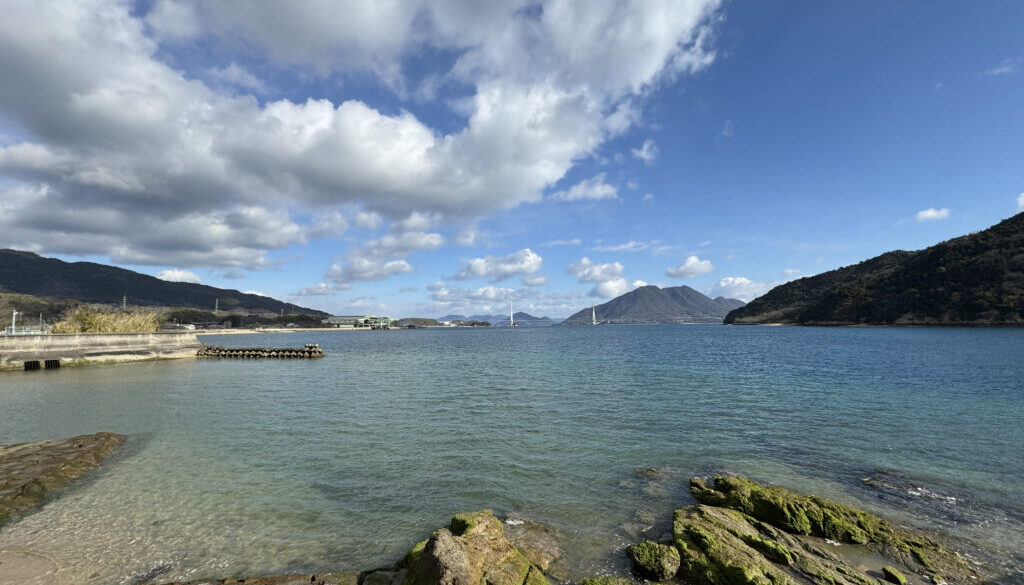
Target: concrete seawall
[(87, 348)]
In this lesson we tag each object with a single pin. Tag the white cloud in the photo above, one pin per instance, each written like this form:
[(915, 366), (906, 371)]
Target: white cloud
[(607, 277), (1006, 67), (738, 287), (257, 293), (593, 188), (237, 76), (363, 269), (553, 243), (1020, 202), (535, 280), (615, 287), (401, 245), (378, 259), (649, 197), (587, 271), (368, 220), (932, 214), (320, 289), (112, 131), (469, 237), (647, 152), (791, 273), (176, 275), (728, 129), (630, 246), (440, 293), (523, 262), (705, 243), (329, 225), (692, 266)]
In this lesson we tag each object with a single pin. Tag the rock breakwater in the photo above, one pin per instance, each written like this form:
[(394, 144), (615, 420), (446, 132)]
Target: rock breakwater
[(311, 350)]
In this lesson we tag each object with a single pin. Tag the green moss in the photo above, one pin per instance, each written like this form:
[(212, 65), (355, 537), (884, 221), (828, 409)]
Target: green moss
[(922, 558), (462, 523), (654, 561), (893, 575), (773, 551), (702, 539), (411, 556), (536, 577), (607, 580)]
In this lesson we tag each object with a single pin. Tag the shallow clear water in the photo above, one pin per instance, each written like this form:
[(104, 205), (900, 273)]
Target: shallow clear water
[(258, 467)]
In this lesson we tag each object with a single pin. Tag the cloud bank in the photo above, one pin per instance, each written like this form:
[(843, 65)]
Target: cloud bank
[(112, 148)]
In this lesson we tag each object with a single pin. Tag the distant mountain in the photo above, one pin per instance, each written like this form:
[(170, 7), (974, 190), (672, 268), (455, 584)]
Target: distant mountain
[(31, 274), (977, 279), (650, 304), (498, 320)]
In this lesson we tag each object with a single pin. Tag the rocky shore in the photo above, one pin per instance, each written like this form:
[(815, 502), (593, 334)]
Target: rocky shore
[(30, 471), (742, 533), (738, 533)]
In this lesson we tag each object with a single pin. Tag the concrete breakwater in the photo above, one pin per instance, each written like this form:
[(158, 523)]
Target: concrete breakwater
[(311, 350), (33, 352)]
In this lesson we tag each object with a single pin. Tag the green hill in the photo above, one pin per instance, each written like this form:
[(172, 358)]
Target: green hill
[(30, 274), (977, 279), (650, 304)]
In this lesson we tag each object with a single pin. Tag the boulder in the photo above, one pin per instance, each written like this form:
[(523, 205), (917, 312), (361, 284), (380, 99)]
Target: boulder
[(893, 575), (657, 562), (811, 515), (472, 550)]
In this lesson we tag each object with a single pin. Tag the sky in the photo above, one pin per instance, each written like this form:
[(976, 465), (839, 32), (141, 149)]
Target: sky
[(433, 157)]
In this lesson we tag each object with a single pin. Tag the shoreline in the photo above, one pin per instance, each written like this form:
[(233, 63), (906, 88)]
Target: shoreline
[(768, 532)]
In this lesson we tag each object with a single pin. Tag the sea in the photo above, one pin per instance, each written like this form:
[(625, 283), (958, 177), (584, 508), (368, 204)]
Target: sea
[(239, 468)]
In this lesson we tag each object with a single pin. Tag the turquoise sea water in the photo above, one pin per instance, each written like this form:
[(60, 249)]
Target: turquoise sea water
[(262, 467)]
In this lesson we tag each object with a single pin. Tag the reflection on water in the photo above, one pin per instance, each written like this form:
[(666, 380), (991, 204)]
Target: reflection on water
[(256, 467)]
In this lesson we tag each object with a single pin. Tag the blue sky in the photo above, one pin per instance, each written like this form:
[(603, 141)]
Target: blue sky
[(421, 158)]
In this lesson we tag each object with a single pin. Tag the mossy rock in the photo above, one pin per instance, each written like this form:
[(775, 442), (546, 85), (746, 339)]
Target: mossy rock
[(893, 575), (411, 556), (536, 577), (473, 551), (811, 515), (773, 551), (463, 523), (607, 580), (654, 561), (714, 550)]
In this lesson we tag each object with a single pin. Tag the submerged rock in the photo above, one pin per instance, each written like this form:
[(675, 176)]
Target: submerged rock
[(539, 543), (307, 579), (471, 551), (607, 580), (30, 471)]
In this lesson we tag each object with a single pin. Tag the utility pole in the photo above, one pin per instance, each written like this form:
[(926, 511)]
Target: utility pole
[(124, 302), (216, 304)]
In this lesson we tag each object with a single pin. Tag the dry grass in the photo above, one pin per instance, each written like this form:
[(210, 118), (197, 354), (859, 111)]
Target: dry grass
[(86, 321)]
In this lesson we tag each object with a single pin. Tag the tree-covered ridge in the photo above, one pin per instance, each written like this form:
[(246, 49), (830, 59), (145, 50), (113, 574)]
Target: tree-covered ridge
[(977, 279), (30, 274)]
